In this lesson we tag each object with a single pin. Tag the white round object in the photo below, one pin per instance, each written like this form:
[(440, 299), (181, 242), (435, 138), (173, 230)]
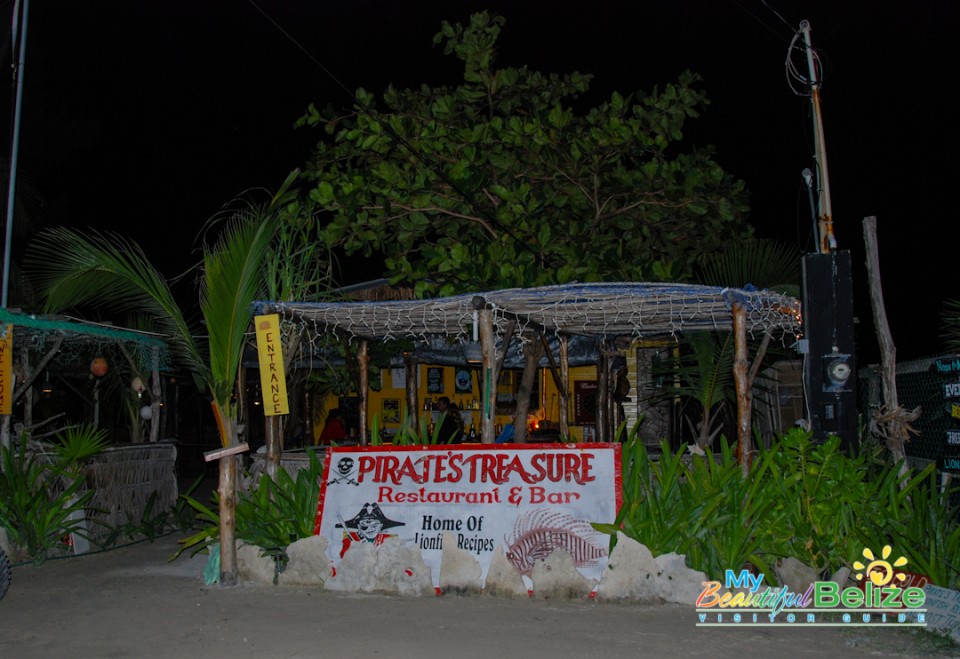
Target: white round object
[(146, 412)]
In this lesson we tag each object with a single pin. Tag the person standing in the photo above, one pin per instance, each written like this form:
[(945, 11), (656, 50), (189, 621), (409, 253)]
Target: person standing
[(451, 423), (333, 430)]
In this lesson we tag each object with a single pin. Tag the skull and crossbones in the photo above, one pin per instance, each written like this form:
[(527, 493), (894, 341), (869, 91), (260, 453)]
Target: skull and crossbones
[(345, 469)]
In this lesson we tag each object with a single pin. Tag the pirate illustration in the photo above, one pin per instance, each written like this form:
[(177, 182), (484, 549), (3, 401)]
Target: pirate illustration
[(368, 525), (346, 469)]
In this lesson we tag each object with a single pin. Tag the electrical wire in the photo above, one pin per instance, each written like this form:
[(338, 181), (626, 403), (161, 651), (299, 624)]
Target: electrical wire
[(759, 20)]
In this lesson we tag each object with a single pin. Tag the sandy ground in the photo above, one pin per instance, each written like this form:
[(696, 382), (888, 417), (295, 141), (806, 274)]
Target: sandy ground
[(132, 602)]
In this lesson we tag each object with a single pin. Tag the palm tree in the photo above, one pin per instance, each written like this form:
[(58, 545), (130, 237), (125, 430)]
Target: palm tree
[(111, 272), (703, 370)]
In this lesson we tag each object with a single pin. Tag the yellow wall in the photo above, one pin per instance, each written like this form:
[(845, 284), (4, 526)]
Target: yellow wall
[(547, 407)]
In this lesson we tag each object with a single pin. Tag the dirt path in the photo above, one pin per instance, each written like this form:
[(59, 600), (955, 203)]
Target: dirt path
[(131, 602)]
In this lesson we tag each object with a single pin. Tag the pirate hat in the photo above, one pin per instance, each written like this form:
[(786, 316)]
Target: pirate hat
[(369, 511)]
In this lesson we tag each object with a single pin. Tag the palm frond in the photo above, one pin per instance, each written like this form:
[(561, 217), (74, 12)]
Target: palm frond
[(108, 271), (766, 264), (950, 325), (232, 281)]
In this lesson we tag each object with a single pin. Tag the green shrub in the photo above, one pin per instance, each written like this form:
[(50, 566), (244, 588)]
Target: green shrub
[(800, 498), (271, 516), (34, 508)]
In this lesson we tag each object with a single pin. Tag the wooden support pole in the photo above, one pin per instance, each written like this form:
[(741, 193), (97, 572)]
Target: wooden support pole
[(554, 369), (741, 382), (155, 396), (488, 380), (28, 394), (363, 361), (565, 392), (531, 357), (227, 491), (413, 403), (505, 346), (603, 390), (891, 422)]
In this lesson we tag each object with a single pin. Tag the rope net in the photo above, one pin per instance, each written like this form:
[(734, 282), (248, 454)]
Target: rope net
[(610, 310), (83, 340)]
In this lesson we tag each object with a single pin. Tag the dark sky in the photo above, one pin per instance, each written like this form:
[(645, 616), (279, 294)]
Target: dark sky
[(146, 116)]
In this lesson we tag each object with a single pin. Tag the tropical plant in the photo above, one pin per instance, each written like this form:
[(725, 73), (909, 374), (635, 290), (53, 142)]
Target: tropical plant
[(822, 493), (277, 512), (763, 264), (950, 325), (75, 444), (746, 525), (702, 509), (920, 520), (37, 509), (801, 499), (702, 376), (114, 273), (281, 511)]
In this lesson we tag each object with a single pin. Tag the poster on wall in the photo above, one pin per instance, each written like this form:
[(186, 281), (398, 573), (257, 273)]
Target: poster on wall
[(526, 499), (463, 381), (434, 380), (391, 410), (584, 402)]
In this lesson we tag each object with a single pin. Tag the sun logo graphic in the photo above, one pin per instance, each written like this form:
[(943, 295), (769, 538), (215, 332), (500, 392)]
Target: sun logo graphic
[(879, 570)]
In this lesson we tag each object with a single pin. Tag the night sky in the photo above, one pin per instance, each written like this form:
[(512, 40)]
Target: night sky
[(146, 116)]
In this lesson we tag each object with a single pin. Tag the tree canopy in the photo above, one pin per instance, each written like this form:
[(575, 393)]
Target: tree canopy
[(501, 181)]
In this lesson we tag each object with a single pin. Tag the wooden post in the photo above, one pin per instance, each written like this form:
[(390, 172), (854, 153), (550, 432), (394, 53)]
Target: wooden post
[(363, 361), (227, 492), (565, 392), (413, 403), (28, 393), (488, 381), (531, 357), (890, 423), (155, 394), (741, 382), (603, 410)]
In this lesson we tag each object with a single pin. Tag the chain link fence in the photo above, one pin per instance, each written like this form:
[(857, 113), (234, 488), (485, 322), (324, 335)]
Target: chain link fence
[(933, 384)]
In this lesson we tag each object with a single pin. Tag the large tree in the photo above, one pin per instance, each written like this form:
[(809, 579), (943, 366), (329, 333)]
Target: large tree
[(503, 181)]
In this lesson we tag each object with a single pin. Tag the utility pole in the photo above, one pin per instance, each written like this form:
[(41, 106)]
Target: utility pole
[(826, 239), (14, 150), (828, 366)]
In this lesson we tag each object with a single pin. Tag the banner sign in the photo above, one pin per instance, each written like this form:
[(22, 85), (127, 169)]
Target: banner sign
[(528, 499), (6, 371), (273, 380)]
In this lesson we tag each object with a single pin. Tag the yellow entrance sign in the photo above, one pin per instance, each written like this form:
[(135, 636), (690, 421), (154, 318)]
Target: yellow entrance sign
[(273, 381), (6, 371)]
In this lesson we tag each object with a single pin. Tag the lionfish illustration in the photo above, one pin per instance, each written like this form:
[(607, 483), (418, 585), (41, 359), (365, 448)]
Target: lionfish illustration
[(538, 532)]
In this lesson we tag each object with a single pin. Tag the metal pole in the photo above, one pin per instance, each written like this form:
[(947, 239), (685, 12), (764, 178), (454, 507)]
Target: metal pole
[(14, 150), (827, 240)]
